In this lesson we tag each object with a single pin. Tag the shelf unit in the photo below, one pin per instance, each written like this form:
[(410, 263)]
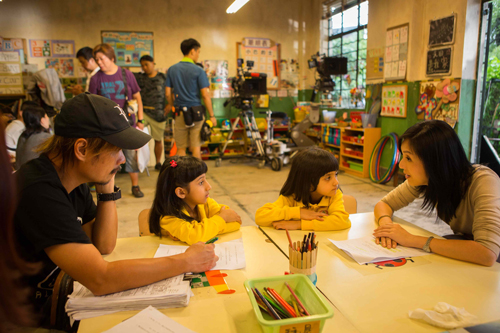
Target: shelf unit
[(353, 149)]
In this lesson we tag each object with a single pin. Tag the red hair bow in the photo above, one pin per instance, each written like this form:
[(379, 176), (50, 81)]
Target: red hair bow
[(173, 164)]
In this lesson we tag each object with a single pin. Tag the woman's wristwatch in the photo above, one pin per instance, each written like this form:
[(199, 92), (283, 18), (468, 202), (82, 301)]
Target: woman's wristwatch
[(140, 121), (117, 194)]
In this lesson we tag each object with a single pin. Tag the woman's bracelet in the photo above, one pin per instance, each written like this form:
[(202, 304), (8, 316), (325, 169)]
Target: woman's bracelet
[(380, 217)]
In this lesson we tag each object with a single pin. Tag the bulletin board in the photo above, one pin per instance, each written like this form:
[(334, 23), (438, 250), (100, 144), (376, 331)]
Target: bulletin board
[(129, 46), (396, 52), (15, 44), (11, 78), (266, 55), (394, 101), (442, 30)]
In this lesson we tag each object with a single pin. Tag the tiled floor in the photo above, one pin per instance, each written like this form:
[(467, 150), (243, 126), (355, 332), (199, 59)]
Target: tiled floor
[(243, 187)]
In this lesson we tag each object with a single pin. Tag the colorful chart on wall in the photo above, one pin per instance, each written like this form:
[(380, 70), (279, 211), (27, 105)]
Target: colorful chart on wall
[(439, 100), (52, 48), (394, 101), (129, 46), (375, 63), (396, 53), (266, 56)]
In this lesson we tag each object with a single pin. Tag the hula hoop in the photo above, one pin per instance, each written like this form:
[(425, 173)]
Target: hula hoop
[(377, 153)]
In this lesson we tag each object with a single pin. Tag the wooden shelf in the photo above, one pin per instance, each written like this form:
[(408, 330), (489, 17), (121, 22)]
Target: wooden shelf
[(371, 137)]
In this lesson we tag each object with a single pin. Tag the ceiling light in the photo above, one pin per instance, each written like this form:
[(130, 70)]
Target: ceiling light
[(237, 4)]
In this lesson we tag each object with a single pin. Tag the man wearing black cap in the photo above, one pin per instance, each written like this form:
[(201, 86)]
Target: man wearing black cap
[(59, 225)]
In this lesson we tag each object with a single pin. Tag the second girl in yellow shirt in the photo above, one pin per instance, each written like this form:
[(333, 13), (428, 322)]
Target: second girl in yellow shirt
[(309, 199)]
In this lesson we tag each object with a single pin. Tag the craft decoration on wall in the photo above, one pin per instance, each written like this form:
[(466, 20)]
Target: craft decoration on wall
[(266, 56), (289, 73), (52, 48), (63, 67), (394, 101), (129, 46), (439, 100), (15, 44), (442, 31), (375, 63), (396, 52), (11, 78), (439, 61)]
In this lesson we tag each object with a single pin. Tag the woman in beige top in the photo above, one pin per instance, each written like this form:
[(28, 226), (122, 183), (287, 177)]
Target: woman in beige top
[(465, 196)]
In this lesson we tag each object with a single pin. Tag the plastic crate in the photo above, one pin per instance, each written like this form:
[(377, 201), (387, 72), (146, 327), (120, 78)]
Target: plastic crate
[(356, 166), (309, 295)]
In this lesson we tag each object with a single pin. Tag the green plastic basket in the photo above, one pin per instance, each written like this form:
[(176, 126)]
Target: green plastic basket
[(356, 166), (309, 295)]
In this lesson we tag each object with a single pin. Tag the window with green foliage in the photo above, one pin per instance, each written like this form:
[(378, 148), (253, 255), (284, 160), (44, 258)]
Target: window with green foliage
[(347, 35)]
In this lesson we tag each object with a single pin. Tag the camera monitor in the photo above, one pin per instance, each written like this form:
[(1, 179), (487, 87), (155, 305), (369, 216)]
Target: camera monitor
[(334, 66)]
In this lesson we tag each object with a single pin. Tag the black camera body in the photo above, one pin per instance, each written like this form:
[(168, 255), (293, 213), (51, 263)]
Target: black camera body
[(246, 85), (326, 67)]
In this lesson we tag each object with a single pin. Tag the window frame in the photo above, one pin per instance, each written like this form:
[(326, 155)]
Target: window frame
[(342, 34)]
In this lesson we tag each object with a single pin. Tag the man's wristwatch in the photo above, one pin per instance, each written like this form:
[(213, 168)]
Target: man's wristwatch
[(140, 121), (427, 246), (117, 194)]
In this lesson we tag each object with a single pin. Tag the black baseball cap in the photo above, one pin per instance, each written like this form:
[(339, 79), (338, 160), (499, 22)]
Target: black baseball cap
[(91, 116)]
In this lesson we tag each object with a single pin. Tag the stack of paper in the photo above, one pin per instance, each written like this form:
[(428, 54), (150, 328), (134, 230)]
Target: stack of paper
[(366, 251), (169, 293), (231, 254)]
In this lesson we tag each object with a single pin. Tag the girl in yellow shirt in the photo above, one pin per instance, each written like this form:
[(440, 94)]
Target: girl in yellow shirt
[(309, 199), (182, 208)]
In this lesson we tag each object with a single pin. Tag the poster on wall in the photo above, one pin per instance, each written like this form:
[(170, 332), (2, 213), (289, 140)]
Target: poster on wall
[(266, 56), (394, 101), (63, 67), (439, 61), (375, 63), (396, 53), (218, 75), (40, 48), (11, 79), (129, 46), (442, 30), (439, 100)]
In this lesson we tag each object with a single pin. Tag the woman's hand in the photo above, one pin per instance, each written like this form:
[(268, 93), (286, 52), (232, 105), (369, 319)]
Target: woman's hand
[(290, 225), (306, 214), (392, 234)]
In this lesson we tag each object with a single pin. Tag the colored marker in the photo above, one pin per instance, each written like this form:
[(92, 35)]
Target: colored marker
[(210, 241)]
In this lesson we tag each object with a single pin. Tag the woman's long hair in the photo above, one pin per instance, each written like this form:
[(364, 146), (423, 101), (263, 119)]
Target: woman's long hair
[(308, 166), (449, 171), (166, 202), (32, 117), (13, 295)]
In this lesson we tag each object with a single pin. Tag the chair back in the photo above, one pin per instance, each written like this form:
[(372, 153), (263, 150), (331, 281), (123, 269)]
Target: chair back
[(350, 204), (63, 287), (144, 222)]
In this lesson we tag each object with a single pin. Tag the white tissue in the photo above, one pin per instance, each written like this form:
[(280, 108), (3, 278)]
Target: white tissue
[(445, 315)]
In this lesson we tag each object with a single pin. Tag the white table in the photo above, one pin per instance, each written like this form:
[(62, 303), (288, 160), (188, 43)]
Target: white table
[(378, 300), (209, 311)]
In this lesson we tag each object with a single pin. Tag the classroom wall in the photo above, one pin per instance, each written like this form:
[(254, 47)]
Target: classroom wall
[(288, 22), (384, 14)]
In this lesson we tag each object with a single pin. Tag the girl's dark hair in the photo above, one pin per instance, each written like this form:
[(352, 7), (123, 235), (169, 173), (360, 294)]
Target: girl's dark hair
[(166, 202), (32, 117), (308, 166), (449, 171)]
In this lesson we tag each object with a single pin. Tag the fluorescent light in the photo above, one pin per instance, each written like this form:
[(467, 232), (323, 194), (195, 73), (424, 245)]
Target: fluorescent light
[(237, 4)]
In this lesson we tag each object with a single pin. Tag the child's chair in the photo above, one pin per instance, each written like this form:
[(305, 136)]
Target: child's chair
[(350, 204), (144, 222)]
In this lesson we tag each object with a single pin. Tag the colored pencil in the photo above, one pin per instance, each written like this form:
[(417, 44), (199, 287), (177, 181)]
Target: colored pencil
[(297, 299), (275, 303), (289, 238), (273, 312), (282, 302), (296, 308)]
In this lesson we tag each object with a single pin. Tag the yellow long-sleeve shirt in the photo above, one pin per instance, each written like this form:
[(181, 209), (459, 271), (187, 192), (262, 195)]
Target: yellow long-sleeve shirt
[(210, 225), (286, 208)]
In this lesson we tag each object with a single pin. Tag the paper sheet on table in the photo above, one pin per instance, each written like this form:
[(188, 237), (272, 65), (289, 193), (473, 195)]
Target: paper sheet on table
[(231, 254), (149, 320), (365, 250)]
